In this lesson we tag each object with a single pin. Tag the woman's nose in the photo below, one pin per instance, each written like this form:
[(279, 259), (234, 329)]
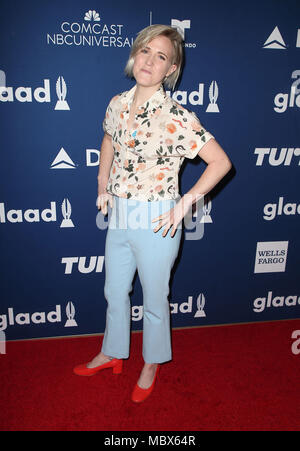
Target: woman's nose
[(149, 60)]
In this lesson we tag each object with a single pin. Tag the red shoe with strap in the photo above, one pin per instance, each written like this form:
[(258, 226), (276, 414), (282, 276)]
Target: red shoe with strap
[(140, 394), (83, 370)]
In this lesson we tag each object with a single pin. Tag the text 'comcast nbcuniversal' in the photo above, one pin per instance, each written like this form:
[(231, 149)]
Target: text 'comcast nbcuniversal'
[(90, 31)]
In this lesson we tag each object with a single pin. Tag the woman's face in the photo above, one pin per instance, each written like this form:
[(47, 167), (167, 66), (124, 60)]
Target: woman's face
[(153, 62)]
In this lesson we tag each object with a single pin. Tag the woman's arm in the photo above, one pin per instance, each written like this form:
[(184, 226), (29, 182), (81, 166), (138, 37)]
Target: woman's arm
[(106, 159), (218, 164)]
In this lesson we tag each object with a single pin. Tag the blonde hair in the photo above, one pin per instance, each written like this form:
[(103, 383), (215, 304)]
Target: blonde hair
[(146, 35)]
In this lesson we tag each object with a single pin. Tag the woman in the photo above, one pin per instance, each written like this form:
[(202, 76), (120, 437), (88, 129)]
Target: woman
[(147, 136)]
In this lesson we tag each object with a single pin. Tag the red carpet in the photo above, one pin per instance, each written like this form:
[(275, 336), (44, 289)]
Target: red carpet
[(238, 377)]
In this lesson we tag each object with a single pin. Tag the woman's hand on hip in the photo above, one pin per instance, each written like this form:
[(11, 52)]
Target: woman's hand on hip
[(172, 218)]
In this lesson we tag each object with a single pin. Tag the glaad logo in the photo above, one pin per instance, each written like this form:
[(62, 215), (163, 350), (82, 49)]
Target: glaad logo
[(29, 215), (260, 304), (176, 307), (25, 94), (35, 215), (39, 94), (90, 33), (61, 91), (197, 97), (206, 217), (284, 100), (194, 219), (272, 210), (22, 319), (195, 228), (271, 256), (66, 210), (62, 161), (213, 96), (200, 313), (136, 217), (276, 158), (94, 264), (70, 312), (296, 344), (187, 307)]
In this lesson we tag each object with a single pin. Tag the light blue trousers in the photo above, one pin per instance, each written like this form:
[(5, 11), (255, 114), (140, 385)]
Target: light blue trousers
[(131, 244)]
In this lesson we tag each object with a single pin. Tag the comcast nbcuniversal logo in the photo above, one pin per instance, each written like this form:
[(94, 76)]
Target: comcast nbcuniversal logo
[(92, 16), (90, 31)]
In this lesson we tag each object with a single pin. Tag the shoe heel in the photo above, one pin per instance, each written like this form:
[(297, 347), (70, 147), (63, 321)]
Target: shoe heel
[(117, 369)]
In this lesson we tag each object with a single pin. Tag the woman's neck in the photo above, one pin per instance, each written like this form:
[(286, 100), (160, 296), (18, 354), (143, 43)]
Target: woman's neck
[(142, 94)]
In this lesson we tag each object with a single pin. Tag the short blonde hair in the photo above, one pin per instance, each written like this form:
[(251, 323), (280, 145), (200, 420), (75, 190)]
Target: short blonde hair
[(146, 35)]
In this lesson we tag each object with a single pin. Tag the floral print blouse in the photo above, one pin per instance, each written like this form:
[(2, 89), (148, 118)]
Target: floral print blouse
[(148, 157)]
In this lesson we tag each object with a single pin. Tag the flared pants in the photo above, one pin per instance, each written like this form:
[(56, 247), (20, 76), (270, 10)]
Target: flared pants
[(131, 244)]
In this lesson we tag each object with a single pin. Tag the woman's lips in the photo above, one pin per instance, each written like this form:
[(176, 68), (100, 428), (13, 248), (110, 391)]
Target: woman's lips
[(147, 71)]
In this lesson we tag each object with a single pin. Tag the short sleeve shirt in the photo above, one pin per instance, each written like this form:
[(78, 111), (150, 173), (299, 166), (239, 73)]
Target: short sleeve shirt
[(147, 158)]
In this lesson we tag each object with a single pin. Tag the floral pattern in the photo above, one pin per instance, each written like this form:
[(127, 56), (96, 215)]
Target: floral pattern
[(147, 158)]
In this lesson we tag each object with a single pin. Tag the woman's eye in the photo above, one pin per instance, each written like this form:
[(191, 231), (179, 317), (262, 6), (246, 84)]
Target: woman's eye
[(162, 58), (144, 51)]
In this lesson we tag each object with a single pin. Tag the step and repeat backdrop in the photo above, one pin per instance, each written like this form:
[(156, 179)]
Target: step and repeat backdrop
[(60, 64)]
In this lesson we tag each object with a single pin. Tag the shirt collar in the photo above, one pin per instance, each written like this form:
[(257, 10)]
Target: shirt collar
[(154, 102)]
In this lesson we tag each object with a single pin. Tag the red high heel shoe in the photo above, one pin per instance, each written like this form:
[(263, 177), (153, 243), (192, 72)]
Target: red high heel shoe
[(83, 370), (140, 394)]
